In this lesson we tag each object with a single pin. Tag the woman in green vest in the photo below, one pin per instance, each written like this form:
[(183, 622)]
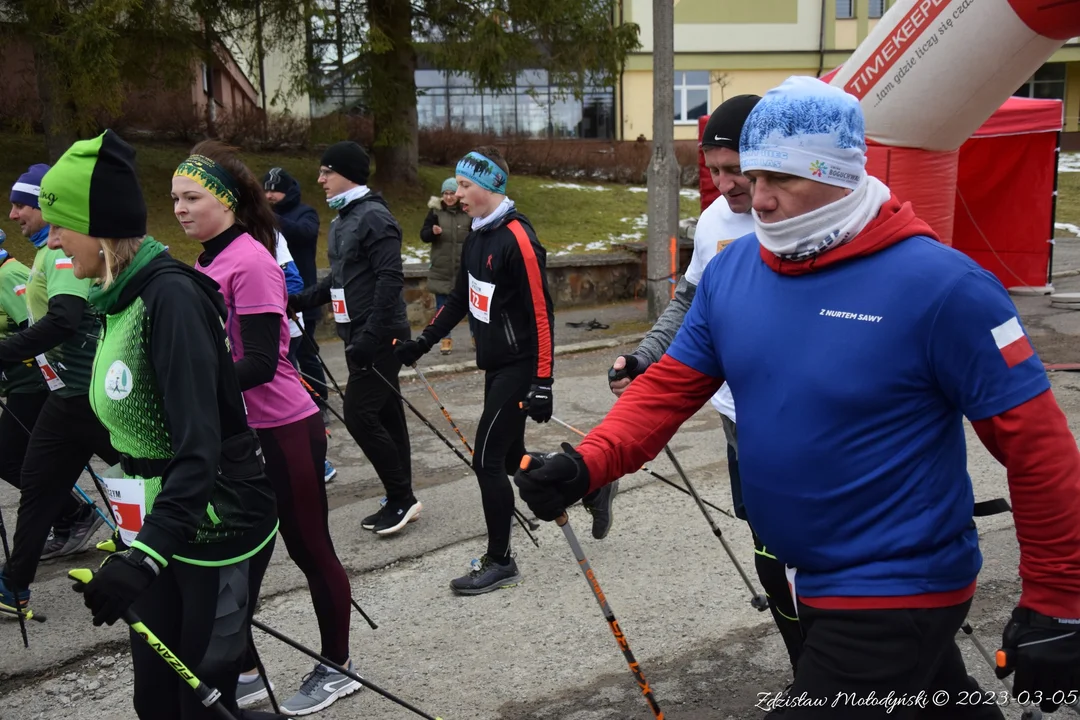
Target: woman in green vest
[(190, 496), (445, 229)]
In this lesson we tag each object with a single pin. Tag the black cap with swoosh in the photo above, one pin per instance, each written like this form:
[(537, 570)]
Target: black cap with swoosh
[(726, 123)]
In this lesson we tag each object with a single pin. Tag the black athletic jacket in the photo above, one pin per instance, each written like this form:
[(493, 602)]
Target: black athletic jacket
[(365, 260), (502, 285)]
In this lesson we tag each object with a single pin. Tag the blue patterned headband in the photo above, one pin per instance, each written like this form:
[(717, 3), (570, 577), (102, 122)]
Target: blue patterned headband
[(483, 172)]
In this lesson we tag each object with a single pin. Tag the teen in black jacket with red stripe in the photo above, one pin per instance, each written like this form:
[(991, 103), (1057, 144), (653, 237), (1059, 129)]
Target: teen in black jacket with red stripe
[(503, 287)]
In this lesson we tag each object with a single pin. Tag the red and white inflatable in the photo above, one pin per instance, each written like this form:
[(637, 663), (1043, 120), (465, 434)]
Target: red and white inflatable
[(935, 75), (932, 71)]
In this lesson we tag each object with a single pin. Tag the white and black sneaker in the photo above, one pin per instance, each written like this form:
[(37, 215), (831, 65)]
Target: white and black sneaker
[(368, 523), (396, 515), (321, 688)]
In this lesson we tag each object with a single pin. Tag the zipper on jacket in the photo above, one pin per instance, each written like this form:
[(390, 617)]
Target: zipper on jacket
[(510, 337)]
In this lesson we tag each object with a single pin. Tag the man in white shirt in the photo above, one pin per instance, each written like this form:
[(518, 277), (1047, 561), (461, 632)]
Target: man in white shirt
[(726, 219)]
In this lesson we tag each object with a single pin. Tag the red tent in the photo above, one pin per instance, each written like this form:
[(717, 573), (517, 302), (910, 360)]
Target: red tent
[(1005, 191)]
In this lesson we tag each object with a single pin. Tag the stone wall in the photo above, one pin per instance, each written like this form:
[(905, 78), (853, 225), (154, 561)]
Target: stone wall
[(573, 280)]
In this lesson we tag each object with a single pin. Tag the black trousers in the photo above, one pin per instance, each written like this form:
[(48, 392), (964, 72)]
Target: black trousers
[(66, 435), (849, 654), (375, 417), (203, 615), (500, 443), (773, 578)]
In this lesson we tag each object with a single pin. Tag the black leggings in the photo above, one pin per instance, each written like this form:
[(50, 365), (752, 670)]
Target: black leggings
[(65, 436), (500, 443), (294, 463), (16, 423), (203, 615)]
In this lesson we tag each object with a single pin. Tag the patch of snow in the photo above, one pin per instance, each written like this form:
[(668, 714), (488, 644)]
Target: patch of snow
[(691, 194), (416, 255), (574, 186), (625, 237), (597, 245), (1068, 227), (638, 188), (1069, 162)]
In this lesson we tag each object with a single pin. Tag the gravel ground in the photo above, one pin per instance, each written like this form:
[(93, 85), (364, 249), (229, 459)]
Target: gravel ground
[(541, 650)]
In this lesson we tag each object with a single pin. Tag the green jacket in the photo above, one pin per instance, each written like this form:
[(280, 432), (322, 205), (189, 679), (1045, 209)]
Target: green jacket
[(191, 485)]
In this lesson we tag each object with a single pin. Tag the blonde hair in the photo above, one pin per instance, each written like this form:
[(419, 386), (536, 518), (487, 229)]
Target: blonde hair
[(118, 255)]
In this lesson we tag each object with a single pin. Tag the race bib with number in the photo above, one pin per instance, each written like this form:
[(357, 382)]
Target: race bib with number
[(337, 302), (51, 378), (127, 496), (480, 293)]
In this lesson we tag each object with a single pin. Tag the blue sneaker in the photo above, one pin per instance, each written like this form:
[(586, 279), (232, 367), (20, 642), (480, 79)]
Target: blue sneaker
[(8, 599), (329, 471)]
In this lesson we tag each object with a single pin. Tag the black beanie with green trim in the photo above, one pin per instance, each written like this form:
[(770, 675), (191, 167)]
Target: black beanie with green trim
[(93, 189)]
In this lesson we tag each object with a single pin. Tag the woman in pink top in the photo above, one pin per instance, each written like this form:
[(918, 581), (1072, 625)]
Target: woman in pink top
[(219, 203)]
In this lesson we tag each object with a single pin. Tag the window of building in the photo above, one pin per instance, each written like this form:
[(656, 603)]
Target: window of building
[(691, 95), (845, 9), (877, 8), (533, 108), (1048, 82)]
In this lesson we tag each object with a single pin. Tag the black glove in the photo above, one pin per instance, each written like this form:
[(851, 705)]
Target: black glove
[(538, 400), (409, 351), (1045, 653), (551, 483), (635, 365), (362, 352), (293, 304), (117, 583)]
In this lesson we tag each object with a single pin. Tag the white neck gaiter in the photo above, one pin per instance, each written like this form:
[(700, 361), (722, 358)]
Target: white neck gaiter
[(504, 207), (339, 201), (825, 228)]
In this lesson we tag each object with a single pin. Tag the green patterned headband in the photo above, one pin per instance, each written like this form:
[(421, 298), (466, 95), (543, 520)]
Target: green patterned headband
[(212, 176)]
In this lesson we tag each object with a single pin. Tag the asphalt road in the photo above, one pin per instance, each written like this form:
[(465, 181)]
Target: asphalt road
[(541, 650)]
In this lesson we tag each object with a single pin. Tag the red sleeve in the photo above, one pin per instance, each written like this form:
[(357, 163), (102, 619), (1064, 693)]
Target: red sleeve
[(1039, 452), (644, 419), (545, 361)]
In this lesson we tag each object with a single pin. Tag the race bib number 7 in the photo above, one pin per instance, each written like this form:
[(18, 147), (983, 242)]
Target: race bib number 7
[(480, 294), (337, 302)]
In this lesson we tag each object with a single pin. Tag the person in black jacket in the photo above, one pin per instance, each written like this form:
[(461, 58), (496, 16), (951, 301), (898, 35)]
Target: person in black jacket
[(366, 287), (192, 501), (501, 284), (299, 223)]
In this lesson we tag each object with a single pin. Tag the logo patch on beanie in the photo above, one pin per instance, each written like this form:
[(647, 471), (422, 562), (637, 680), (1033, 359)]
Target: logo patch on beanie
[(818, 168), (47, 198)]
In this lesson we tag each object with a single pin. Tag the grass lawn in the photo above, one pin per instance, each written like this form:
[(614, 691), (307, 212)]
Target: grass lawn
[(1068, 204), (567, 219)]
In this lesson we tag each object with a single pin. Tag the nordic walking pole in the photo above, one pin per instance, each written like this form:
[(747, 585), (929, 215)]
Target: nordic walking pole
[(564, 522), (760, 601), (208, 696), (7, 561), (262, 672), (522, 520), (315, 347), (416, 369), (646, 470), (86, 498), (304, 381), (344, 671), (1029, 713)]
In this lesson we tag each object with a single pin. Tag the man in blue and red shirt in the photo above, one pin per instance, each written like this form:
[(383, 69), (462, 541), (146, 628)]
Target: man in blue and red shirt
[(857, 343)]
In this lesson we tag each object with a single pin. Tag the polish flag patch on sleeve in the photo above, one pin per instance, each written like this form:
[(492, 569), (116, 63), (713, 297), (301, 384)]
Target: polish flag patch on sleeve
[(1012, 342), (64, 263), (20, 289)]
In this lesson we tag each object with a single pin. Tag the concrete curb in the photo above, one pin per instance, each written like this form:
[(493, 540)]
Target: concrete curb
[(588, 345), (1064, 274)]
